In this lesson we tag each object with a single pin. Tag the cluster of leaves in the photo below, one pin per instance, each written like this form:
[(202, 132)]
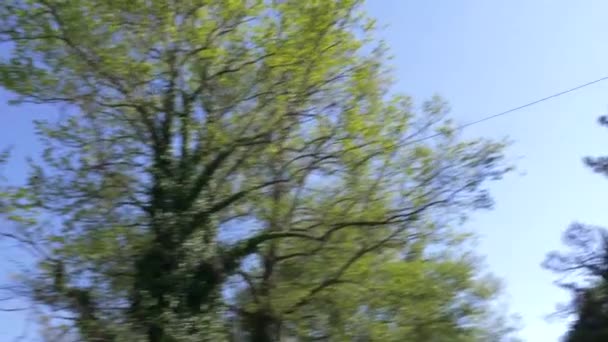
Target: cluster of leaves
[(236, 169), (584, 272)]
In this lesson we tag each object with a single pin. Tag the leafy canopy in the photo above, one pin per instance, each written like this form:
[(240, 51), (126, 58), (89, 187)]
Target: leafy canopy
[(239, 165)]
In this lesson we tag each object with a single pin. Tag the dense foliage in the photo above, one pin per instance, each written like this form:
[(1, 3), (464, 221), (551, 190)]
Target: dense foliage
[(584, 272), (238, 170)]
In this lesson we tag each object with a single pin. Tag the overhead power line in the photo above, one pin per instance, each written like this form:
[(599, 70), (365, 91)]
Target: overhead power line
[(529, 104)]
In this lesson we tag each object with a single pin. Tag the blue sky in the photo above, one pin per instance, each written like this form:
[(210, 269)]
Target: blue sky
[(488, 56), (485, 57)]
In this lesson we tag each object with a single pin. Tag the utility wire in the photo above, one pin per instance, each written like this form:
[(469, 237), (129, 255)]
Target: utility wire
[(529, 104)]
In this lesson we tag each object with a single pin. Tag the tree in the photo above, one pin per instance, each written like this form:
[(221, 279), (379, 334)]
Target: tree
[(584, 271), (225, 164), (585, 274)]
